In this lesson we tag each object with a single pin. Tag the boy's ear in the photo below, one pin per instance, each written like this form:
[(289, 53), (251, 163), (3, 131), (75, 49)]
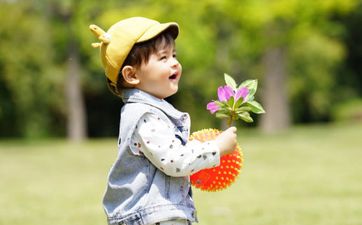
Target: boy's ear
[(129, 75)]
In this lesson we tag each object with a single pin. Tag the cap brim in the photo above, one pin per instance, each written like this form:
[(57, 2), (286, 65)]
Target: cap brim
[(155, 30)]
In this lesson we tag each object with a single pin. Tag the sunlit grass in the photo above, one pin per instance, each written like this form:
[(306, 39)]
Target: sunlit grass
[(310, 175), (54, 182)]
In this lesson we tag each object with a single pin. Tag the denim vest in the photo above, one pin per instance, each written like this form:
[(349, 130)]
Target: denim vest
[(138, 192)]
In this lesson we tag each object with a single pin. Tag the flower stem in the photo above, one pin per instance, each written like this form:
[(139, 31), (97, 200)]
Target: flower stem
[(230, 120)]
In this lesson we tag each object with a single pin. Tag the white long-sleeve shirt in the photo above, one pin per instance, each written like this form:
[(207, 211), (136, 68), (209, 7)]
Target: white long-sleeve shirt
[(156, 140)]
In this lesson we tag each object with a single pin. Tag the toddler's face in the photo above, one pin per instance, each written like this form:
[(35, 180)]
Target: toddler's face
[(161, 74)]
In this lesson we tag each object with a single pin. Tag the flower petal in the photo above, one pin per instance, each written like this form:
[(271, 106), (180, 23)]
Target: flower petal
[(212, 107), (224, 93), (242, 92), (229, 92), (221, 94)]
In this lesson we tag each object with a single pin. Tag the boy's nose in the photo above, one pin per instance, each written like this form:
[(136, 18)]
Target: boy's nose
[(174, 62)]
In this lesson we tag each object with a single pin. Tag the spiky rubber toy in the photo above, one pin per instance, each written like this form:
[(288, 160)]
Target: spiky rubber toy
[(222, 176)]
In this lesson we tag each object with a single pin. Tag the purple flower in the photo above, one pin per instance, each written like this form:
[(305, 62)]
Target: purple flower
[(225, 93), (212, 107), (242, 92)]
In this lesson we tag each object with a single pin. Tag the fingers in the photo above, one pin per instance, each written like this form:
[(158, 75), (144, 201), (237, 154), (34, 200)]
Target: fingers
[(232, 129), (234, 135)]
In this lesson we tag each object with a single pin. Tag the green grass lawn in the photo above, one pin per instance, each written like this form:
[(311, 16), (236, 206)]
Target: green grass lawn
[(307, 176)]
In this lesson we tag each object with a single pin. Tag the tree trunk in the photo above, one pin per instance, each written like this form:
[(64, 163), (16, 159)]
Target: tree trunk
[(274, 95), (76, 123)]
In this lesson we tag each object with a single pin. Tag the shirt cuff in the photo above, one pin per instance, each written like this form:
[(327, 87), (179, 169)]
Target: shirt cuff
[(213, 154)]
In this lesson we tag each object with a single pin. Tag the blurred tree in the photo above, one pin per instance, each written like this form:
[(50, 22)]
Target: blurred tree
[(350, 78), (71, 39), (297, 43), (63, 14), (293, 44), (292, 47), (26, 72)]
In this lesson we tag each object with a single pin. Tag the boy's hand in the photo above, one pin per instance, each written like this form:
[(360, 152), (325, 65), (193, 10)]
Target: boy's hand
[(227, 141)]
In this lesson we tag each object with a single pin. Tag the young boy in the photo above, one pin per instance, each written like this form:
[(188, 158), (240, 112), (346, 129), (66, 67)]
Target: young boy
[(149, 182)]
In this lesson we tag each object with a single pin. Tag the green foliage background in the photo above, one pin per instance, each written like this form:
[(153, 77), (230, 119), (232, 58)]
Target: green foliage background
[(321, 38)]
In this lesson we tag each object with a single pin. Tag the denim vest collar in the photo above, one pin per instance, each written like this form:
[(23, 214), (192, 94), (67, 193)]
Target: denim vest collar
[(139, 96)]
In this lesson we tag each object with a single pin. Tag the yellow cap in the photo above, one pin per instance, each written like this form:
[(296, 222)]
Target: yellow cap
[(118, 41)]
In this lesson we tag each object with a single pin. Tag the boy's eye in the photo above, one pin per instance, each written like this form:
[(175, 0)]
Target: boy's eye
[(163, 57)]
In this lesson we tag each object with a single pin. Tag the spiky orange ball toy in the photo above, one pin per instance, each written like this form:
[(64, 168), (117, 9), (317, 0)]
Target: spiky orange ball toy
[(222, 176)]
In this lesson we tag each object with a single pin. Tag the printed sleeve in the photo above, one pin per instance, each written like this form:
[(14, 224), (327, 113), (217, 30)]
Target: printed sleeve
[(156, 140)]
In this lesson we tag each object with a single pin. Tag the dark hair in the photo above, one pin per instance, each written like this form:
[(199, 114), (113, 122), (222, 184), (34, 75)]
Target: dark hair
[(140, 53)]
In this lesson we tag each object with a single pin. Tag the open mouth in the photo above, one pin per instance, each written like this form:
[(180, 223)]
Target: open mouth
[(173, 76)]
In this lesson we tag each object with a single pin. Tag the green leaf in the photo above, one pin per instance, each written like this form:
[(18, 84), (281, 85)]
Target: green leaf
[(252, 86), (223, 106), (230, 102), (246, 117), (224, 111), (220, 104), (230, 81), (243, 109), (256, 107), (221, 115), (238, 103)]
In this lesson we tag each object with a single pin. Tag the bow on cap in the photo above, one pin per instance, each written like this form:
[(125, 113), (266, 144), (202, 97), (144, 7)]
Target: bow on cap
[(103, 36)]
